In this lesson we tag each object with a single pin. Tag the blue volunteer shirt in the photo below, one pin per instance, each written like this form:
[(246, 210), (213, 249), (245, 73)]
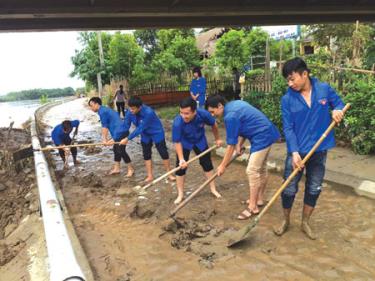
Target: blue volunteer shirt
[(242, 119), (147, 123), (59, 137), (303, 126), (198, 86), (111, 120), (192, 134)]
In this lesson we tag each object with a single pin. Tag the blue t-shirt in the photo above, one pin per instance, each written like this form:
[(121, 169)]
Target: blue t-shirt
[(192, 134), (147, 123), (111, 120), (302, 125), (242, 119), (59, 137), (198, 86)]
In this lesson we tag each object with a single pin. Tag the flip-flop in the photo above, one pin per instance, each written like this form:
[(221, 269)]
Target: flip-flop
[(243, 216)]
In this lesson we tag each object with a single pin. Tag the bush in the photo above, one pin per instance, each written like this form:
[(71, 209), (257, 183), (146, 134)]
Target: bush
[(168, 113), (359, 126), (269, 103), (108, 101)]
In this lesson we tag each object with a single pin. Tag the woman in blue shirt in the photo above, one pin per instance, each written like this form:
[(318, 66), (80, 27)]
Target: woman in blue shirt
[(198, 87)]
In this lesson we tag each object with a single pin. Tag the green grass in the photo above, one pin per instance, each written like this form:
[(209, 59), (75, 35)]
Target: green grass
[(168, 113)]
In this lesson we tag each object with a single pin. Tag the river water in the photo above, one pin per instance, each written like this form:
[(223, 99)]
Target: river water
[(18, 111)]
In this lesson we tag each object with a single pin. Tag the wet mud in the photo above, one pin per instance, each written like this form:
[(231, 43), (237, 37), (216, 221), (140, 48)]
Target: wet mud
[(128, 236), (19, 208)]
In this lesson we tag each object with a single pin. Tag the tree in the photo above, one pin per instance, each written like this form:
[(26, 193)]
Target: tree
[(166, 36), (346, 42), (230, 49), (255, 43), (86, 61), (124, 53), (178, 56), (147, 39)]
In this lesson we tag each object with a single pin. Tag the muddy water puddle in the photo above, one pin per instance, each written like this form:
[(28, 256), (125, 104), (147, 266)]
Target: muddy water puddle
[(127, 237)]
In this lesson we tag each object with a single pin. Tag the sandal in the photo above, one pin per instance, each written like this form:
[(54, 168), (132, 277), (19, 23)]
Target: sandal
[(246, 214), (246, 202)]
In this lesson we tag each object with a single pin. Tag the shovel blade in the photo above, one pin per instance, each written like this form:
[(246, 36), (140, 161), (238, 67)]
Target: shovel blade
[(23, 153), (241, 234)]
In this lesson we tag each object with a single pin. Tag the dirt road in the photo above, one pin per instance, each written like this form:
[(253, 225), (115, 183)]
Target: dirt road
[(125, 236)]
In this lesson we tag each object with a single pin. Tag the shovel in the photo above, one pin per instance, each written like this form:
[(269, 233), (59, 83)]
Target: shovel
[(243, 233)]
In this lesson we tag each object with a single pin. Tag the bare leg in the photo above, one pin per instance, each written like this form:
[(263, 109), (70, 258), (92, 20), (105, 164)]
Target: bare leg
[(305, 227), (148, 164), (130, 170), (254, 191), (262, 188), (212, 185), (285, 224), (167, 167), (180, 180), (115, 169)]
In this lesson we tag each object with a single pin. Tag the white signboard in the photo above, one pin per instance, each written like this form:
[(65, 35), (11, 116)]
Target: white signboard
[(282, 31)]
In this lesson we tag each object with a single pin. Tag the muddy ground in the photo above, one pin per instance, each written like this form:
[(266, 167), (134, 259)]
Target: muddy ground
[(21, 232), (129, 237)]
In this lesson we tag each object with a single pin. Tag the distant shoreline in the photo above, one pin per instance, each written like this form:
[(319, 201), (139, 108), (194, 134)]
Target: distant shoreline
[(33, 99)]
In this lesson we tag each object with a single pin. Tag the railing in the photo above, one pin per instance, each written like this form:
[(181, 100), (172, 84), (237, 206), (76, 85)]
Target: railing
[(63, 265)]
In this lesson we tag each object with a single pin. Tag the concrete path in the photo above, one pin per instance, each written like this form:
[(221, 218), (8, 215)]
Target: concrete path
[(343, 167)]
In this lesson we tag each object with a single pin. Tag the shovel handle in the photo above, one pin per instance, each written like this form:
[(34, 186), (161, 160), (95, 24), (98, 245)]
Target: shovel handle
[(178, 168), (73, 145)]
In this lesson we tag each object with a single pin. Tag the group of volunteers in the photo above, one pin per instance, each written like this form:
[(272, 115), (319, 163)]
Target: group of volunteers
[(307, 109)]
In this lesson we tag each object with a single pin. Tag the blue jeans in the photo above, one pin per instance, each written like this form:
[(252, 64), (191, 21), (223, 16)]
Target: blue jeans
[(315, 169)]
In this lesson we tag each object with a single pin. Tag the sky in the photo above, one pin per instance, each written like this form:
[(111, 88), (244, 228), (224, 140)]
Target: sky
[(37, 60), (30, 60)]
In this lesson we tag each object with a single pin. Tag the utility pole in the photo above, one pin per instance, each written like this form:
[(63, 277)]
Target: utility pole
[(267, 72), (101, 59)]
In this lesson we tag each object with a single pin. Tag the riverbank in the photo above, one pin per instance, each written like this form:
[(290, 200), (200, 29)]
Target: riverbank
[(22, 247), (125, 235)]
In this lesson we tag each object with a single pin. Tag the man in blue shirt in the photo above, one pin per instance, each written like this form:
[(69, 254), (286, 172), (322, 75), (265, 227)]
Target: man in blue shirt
[(198, 88), (243, 121), (149, 126), (61, 136), (112, 123), (188, 134), (306, 115)]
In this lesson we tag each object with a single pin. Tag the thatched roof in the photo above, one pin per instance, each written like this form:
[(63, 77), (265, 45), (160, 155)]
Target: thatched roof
[(206, 41)]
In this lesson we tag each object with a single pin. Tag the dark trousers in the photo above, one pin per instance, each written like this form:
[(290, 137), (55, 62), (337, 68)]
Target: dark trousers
[(236, 94), (120, 107), (315, 169), (204, 161), (160, 146), (73, 150), (120, 151)]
